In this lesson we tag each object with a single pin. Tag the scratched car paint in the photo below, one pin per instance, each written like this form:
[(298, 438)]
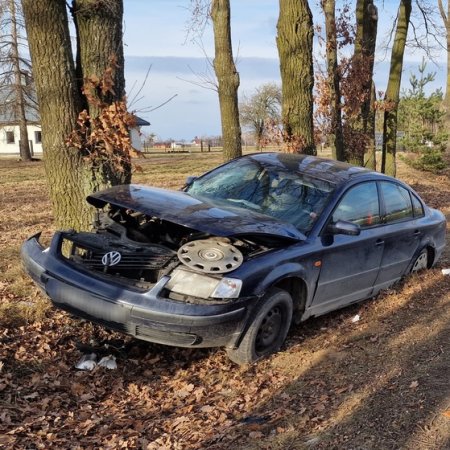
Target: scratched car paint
[(239, 253)]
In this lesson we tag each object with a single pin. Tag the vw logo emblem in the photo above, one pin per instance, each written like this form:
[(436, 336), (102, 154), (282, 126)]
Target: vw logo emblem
[(111, 258)]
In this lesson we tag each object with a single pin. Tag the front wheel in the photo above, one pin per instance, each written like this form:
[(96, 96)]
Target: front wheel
[(268, 330)]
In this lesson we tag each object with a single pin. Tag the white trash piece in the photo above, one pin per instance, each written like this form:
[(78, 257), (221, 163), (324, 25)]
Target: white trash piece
[(445, 271), (87, 362), (109, 362), (356, 318)]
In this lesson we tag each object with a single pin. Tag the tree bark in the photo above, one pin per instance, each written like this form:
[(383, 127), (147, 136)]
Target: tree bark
[(446, 19), (20, 113), (393, 89), (228, 79), (59, 105), (329, 9), (362, 77), (370, 26), (294, 42), (98, 24)]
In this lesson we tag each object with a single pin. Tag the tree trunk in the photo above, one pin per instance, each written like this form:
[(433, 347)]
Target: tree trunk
[(393, 89), (99, 31), (368, 107), (294, 42), (20, 113), (228, 79), (362, 66), (329, 9), (446, 19), (99, 51), (59, 100), (371, 154)]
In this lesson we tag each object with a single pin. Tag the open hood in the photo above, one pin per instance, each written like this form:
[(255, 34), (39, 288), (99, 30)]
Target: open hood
[(183, 209)]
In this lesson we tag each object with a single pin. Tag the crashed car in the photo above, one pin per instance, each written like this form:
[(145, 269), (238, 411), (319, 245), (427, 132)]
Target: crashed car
[(239, 253)]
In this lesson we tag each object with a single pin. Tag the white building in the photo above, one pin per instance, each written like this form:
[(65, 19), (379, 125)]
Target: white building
[(10, 135)]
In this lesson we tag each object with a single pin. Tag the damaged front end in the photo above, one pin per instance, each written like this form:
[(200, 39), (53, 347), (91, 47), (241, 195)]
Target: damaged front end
[(136, 250), (158, 265)]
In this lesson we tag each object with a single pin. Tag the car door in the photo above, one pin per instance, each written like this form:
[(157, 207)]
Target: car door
[(401, 231), (350, 264)]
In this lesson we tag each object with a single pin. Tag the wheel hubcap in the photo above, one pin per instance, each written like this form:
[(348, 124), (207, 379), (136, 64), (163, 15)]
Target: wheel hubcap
[(269, 329), (421, 262)]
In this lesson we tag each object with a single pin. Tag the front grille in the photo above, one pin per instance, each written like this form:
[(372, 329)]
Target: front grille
[(137, 261)]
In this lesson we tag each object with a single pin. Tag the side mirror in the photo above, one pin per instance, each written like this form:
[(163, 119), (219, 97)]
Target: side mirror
[(344, 227)]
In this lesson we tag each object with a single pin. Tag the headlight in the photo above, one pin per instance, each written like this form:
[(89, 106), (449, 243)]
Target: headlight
[(197, 285), (227, 288)]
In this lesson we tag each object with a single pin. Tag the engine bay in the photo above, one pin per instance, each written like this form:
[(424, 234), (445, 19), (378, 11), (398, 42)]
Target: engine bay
[(140, 249)]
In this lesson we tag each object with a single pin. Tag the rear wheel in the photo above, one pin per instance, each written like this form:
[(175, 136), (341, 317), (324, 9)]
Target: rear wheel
[(421, 261), (268, 330)]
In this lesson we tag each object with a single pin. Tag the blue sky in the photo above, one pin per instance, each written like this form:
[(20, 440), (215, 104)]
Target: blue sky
[(156, 35)]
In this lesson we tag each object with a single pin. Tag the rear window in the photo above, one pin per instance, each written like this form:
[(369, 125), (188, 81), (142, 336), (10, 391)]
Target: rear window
[(417, 206), (397, 202)]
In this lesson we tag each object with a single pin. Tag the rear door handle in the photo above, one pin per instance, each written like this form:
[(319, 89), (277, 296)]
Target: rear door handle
[(379, 242), (417, 233)]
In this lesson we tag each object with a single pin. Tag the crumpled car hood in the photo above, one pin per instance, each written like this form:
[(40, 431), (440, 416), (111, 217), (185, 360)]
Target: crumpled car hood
[(181, 208)]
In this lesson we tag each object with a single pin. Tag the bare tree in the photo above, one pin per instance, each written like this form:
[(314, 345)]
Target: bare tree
[(446, 19), (337, 140), (16, 86), (362, 66), (262, 106), (393, 89), (228, 79)]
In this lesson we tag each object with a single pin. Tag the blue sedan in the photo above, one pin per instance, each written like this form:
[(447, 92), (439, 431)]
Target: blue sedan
[(240, 253)]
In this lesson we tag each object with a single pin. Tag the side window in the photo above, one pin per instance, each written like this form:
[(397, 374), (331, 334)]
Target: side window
[(417, 206), (397, 202), (360, 206)]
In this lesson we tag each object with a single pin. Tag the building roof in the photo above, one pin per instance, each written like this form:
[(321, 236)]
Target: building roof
[(140, 122)]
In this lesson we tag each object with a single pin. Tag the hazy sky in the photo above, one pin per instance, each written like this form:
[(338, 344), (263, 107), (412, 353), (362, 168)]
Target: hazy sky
[(156, 36)]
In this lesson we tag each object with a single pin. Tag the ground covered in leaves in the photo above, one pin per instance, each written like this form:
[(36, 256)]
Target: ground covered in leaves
[(377, 383)]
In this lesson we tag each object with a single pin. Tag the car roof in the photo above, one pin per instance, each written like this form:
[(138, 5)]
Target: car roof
[(330, 170)]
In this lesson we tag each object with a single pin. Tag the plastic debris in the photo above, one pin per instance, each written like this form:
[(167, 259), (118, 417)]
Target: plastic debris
[(109, 362), (445, 271), (87, 362), (356, 318)]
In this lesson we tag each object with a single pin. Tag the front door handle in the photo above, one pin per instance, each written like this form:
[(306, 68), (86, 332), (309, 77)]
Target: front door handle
[(379, 242)]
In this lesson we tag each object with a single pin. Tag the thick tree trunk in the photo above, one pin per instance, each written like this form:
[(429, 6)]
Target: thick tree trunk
[(446, 103), (100, 50), (393, 89), (59, 99), (228, 79), (329, 9), (20, 113), (294, 42)]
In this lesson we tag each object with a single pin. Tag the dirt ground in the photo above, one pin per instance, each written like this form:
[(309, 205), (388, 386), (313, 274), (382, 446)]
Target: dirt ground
[(381, 382)]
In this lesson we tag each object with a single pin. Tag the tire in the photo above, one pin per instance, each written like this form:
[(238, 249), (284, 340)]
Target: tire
[(421, 262), (268, 330)]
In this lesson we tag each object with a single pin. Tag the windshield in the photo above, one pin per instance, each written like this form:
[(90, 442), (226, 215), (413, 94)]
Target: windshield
[(272, 190)]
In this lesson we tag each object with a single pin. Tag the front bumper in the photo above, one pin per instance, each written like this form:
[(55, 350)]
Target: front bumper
[(146, 315)]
